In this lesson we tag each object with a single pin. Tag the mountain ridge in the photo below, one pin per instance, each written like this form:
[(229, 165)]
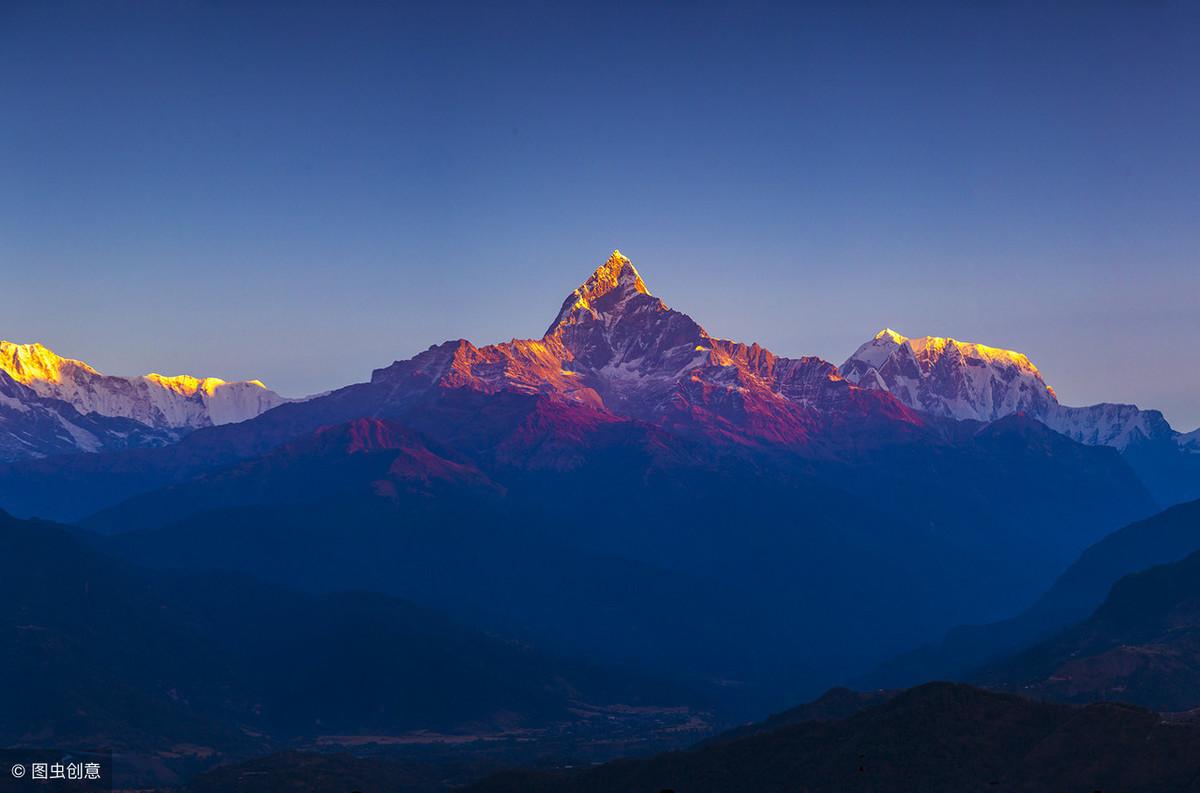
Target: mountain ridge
[(176, 402), (1161, 539), (616, 347), (967, 380), (959, 380)]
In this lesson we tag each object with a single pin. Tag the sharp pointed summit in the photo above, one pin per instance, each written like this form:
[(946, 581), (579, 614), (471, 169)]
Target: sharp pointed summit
[(616, 272), (608, 288)]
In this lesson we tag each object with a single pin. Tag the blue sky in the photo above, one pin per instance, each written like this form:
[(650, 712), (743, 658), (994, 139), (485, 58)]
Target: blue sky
[(302, 192)]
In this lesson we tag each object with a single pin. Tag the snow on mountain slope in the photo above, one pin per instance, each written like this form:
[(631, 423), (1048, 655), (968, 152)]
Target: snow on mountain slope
[(950, 378), (180, 402), (35, 426), (964, 380), (1108, 424)]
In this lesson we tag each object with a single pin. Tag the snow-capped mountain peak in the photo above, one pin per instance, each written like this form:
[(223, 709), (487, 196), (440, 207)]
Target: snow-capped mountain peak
[(966, 380), (929, 349), (29, 364), (874, 353), (948, 377)]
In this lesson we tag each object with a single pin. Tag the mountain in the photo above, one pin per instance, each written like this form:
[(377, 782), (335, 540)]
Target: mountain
[(1166, 537), (32, 426), (628, 485), (946, 377), (614, 354), (614, 346), (181, 402), (1142, 646), (1170, 467), (835, 704), (50, 406), (177, 670), (964, 380), (937, 738)]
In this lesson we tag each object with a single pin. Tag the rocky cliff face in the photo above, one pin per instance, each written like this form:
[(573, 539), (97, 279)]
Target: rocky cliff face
[(32, 426)]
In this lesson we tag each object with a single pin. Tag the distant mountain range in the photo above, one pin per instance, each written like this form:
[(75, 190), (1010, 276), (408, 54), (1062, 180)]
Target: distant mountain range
[(968, 381), (53, 405), (158, 401), (32, 426), (618, 349), (964, 380)]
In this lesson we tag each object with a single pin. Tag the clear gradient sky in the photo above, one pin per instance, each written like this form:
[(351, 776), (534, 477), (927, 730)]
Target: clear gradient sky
[(302, 192)]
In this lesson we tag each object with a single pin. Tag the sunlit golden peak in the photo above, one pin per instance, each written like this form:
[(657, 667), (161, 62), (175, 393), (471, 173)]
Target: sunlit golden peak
[(617, 269), (890, 335), (617, 272), (937, 345), (28, 363), (187, 385)]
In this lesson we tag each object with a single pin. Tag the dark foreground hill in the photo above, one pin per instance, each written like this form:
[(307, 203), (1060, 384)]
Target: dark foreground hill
[(834, 704), (310, 772), (938, 738)]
